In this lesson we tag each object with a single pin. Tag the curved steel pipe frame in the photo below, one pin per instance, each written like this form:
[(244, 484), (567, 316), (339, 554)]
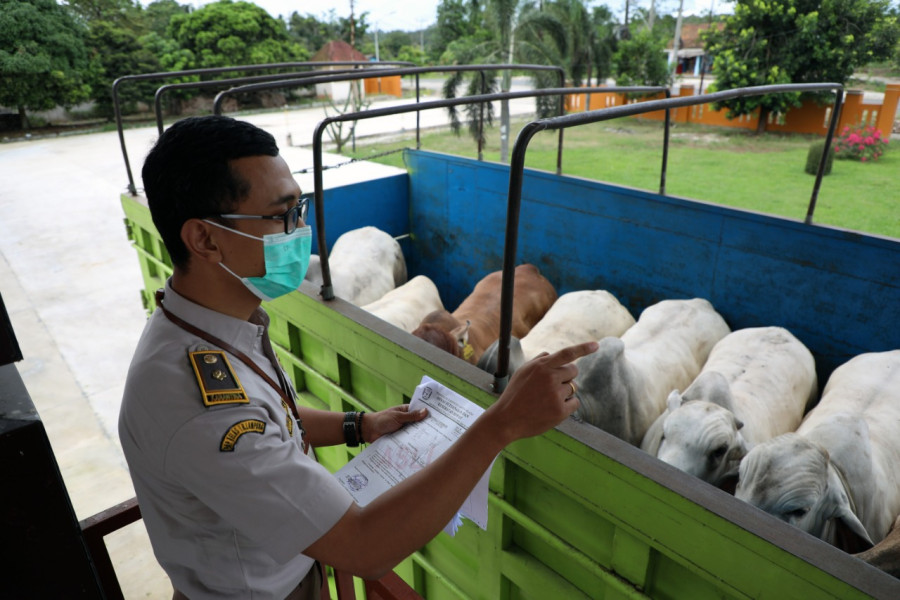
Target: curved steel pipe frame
[(432, 69), (224, 83), (517, 165), (117, 109), (327, 288)]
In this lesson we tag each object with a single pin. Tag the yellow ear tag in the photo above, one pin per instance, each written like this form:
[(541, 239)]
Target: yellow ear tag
[(468, 351)]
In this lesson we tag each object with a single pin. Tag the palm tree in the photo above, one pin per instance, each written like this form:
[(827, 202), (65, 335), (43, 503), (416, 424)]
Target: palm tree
[(523, 33)]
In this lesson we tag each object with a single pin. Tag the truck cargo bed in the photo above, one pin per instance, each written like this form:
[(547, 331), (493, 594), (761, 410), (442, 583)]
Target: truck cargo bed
[(576, 512)]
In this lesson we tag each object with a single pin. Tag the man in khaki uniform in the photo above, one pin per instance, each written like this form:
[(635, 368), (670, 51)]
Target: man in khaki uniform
[(234, 504)]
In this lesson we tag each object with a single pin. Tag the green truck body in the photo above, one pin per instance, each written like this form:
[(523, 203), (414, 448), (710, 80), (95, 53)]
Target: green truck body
[(577, 513)]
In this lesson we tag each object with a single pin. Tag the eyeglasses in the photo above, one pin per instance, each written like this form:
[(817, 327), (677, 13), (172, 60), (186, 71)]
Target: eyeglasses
[(293, 215)]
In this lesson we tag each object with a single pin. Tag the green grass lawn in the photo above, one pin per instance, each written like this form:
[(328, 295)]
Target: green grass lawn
[(729, 167)]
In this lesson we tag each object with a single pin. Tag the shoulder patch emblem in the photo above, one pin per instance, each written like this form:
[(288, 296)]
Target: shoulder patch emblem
[(218, 383), (234, 433)]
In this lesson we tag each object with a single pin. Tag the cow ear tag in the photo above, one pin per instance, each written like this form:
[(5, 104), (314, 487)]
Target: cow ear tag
[(462, 339)]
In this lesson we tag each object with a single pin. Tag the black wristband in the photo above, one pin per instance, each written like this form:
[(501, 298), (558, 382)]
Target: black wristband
[(351, 435), (359, 426)]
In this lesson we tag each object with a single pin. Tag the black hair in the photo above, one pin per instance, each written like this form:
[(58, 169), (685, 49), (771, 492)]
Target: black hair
[(187, 175)]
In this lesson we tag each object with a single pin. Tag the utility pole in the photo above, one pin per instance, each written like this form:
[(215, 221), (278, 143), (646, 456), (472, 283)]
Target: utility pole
[(703, 65), (353, 26), (677, 41)]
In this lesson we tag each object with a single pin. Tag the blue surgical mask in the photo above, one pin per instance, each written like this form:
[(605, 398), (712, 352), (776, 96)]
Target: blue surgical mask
[(287, 259)]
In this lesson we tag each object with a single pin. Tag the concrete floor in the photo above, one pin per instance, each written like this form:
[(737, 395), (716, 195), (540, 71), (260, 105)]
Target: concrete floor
[(70, 281)]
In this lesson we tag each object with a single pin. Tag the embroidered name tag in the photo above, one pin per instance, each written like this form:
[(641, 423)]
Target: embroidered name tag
[(218, 383), (234, 433)]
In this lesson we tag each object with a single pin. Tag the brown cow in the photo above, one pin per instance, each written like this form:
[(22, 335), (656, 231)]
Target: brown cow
[(885, 554), (475, 325)]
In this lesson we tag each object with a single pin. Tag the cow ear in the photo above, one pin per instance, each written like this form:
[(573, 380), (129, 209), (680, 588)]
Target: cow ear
[(851, 530), (736, 453), (461, 333), (674, 401), (653, 438)]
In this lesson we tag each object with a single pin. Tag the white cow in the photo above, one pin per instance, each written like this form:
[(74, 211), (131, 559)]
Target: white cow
[(365, 264), (756, 384), (624, 385), (407, 305), (575, 317), (838, 474), (314, 271)]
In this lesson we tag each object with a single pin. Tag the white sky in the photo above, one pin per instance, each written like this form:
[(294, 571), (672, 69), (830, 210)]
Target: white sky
[(411, 15)]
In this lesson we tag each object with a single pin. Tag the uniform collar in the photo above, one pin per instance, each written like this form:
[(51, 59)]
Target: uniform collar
[(238, 332)]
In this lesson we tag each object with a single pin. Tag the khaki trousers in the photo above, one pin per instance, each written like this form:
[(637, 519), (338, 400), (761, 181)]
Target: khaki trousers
[(310, 588)]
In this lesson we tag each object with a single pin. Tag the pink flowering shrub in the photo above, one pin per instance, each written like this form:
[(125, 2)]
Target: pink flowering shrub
[(860, 143)]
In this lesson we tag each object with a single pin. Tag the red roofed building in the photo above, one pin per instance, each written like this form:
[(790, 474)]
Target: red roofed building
[(337, 50), (692, 57), (333, 51)]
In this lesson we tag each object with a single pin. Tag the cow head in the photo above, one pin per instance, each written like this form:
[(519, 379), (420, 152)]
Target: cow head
[(792, 478), (608, 391), (438, 336), (702, 439), (488, 360), (699, 433)]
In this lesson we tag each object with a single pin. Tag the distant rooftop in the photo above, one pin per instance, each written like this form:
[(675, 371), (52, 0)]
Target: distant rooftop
[(337, 50), (690, 34)]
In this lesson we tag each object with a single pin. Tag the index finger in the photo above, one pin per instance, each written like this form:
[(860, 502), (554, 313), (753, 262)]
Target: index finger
[(570, 353)]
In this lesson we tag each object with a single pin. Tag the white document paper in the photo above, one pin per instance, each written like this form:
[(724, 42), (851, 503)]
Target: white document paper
[(393, 458)]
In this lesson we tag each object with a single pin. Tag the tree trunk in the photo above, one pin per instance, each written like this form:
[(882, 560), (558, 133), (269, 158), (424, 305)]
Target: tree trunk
[(763, 120), (24, 125), (504, 104)]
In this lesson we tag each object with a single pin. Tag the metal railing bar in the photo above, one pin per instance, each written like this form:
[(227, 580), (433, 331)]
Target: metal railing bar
[(417, 71), (160, 91), (517, 166), (820, 171), (117, 109), (399, 71), (327, 288)]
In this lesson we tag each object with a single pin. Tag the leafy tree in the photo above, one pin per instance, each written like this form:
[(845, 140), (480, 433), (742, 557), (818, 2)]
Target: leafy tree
[(456, 20), (157, 15), (228, 33), (796, 41), (117, 52), (413, 54), (392, 43), (172, 57), (123, 12), (578, 32), (466, 50), (42, 57), (520, 33), (640, 60), (603, 41), (311, 33)]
